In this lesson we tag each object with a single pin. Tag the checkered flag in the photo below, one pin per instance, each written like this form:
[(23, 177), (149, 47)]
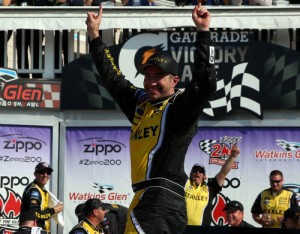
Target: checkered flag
[(288, 146), (205, 145), (284, 86), (83, 88), (242, 91)]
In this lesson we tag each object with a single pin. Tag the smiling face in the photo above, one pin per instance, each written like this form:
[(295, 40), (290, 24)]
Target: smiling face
[(158, 84), (234, 217), (42, 177)]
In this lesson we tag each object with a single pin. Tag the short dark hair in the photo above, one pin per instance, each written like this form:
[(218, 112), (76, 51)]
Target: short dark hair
[(276, 172), (79, 211)]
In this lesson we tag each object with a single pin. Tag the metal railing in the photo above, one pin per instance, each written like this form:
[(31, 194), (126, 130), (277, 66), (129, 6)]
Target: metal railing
[(42, 52)]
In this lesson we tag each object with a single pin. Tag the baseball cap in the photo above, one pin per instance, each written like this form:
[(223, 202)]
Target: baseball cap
[(198, 167), (43, 166), (27, 216), (163, 60), (234, 205), (91, 204)]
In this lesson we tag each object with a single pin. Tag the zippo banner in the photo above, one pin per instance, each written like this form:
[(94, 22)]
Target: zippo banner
[(98, 160), (22, 148), (98, 164)]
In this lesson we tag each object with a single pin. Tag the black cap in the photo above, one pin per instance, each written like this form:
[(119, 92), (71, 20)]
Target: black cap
[(91, 204), (234, 205), (43, 166), (27, 216), (163, 60), (198, 167), (291, 213)]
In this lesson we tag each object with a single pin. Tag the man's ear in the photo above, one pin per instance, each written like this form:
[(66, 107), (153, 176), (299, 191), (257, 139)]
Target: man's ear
[(175, 80)]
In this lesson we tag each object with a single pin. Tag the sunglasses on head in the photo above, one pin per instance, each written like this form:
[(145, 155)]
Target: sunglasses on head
[(45, 171)]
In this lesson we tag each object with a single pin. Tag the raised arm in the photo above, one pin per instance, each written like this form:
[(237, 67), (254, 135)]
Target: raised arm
[(227, 165), (201, 17), (93, 22)]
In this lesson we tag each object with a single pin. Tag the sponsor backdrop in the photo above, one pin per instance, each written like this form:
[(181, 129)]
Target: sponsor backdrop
[(97, 164), (22, 148)]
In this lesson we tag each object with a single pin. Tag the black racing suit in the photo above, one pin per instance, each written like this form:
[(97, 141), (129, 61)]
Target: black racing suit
[(158, 144), (117, 217), (36, 199)]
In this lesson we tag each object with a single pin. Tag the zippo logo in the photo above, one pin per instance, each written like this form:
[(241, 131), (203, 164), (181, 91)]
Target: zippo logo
[(218, 215), (10, 208), (18, 142), (98, 145), (8, 75)]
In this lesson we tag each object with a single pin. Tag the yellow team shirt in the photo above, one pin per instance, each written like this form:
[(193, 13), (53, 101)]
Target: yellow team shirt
[(197, 198), (275, 205)]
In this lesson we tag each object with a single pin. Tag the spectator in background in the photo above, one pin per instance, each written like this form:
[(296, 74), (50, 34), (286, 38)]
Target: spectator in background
[(235, 214), (26, 37), (92, 218), (138, 2), (126, 32), (35, 197), (199, 210), (291, 218), (28, 224), (203, 2), (271, 203), (4, 37), (116, 216)]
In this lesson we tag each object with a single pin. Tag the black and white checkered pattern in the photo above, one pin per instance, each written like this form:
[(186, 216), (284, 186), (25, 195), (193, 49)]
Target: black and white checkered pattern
[(242, 91), (205, 145), (284, 87), (83, 88), (288, 146)]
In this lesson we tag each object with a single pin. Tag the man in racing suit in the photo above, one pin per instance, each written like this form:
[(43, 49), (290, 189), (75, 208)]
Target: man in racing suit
[(36, 197), (164, 122)]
